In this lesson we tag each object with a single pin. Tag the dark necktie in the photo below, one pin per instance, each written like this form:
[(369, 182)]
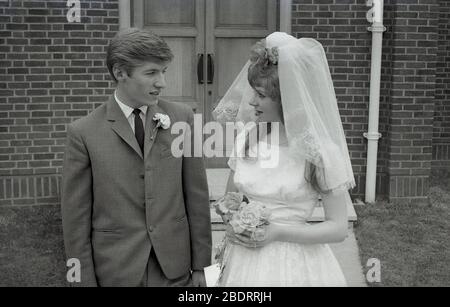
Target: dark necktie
[(138, 129)]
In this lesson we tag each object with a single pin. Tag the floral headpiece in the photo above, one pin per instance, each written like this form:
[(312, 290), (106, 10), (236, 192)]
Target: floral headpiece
[(272, 55)]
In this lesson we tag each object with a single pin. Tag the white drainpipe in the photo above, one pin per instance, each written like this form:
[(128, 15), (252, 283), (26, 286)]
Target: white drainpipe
[(375, 16)]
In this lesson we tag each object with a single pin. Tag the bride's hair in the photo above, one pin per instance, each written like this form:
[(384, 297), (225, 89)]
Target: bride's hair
[(263, 72)]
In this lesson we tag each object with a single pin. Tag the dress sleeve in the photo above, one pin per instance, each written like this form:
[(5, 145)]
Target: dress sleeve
[(329, 177)]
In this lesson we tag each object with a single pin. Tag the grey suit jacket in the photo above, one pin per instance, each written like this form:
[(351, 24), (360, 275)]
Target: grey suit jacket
[(118, 204)]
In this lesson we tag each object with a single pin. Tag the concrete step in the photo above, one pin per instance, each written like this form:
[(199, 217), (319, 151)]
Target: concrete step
[(217, 182)]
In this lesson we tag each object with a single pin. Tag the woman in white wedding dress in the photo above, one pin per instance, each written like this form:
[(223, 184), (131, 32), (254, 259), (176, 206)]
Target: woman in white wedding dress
[(302, 157)]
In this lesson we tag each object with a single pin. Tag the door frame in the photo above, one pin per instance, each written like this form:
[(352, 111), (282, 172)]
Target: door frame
[(285, 15)]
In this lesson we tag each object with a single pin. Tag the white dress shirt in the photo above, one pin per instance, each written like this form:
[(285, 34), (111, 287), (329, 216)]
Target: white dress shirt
[(128, 112)]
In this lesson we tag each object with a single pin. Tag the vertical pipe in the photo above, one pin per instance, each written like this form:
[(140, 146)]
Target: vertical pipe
[(373, 135)]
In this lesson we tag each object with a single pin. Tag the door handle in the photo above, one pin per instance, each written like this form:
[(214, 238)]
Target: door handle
[(200, 77), (210, 68)]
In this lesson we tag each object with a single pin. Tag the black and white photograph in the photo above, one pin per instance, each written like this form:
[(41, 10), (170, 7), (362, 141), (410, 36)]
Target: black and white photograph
[(225, 144)]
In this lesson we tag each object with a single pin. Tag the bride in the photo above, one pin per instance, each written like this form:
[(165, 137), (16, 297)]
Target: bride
[(286, 84)]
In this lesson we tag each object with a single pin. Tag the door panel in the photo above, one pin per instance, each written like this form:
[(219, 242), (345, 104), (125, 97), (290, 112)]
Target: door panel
[(181, 24), (170, 12), (230, 60), (232, 27), (238, 13), (181, 84)]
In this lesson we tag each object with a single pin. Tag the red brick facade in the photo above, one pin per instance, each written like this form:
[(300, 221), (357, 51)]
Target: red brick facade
[(53, 72)]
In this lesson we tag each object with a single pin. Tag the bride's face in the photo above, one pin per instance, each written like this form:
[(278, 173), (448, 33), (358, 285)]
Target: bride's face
[(266, 109)]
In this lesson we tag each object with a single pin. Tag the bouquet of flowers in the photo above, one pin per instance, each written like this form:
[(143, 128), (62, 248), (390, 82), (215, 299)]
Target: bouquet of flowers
[(251, 219), (229, 204), (244, 217)]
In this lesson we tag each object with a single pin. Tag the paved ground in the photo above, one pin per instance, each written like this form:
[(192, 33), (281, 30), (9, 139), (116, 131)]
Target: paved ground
[(348, 257)]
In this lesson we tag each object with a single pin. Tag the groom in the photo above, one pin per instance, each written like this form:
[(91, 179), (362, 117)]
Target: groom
[(133, 213)]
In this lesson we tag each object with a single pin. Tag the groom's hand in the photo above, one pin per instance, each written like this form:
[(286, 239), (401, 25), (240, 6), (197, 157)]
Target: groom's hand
[(198, 279)]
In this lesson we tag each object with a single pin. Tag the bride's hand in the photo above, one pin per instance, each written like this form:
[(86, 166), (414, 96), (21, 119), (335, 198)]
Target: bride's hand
[(246, 239)]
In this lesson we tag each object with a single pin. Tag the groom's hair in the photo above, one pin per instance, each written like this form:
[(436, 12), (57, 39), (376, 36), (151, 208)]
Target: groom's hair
[(132, 46)]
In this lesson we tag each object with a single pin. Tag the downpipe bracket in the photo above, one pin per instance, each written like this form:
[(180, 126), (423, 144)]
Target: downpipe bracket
[(372, 136), (377, 28)]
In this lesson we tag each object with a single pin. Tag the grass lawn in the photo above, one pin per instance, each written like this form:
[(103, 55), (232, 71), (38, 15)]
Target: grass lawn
[(31, 247), (410, 240)]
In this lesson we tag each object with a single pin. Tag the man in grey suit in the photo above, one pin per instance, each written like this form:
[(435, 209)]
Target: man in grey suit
[(133, 213)]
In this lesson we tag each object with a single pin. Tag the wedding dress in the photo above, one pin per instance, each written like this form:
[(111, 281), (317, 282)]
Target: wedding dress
[(291, 201)]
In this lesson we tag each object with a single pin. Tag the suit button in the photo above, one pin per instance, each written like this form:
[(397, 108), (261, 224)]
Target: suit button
[(151, 228), (142, 176)]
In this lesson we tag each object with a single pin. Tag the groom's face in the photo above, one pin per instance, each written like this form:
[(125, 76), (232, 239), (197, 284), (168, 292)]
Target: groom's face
[(145, 82)]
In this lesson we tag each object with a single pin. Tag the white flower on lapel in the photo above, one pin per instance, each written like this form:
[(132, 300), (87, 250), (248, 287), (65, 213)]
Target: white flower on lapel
[(162, 120)]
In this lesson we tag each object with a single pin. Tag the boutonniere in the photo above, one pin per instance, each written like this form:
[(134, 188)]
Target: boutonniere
[(162, 120)]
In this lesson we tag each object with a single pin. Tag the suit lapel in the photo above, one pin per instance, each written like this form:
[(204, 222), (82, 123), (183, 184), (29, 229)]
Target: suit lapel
[(150, 127), (121, 126)]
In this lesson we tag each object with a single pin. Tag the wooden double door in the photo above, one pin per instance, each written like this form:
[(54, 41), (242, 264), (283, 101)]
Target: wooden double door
[(210, 39)]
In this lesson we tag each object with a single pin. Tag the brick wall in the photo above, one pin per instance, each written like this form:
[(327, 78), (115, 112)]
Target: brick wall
[(414, 54), (52, 72), (441, 132)]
